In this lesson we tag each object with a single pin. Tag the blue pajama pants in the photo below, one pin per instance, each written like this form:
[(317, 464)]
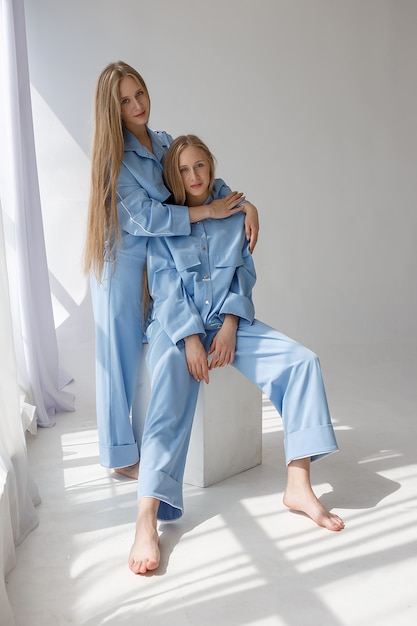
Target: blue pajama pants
[(288, 373), (117, 305)]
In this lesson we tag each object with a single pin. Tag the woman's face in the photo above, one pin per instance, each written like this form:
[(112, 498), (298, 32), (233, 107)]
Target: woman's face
[(195, 173), (134, 103)]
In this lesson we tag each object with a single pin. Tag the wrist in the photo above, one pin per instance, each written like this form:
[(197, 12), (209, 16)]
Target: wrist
[(244, 206), (198, 213), (248, 207), (191, 339), (231, 321)]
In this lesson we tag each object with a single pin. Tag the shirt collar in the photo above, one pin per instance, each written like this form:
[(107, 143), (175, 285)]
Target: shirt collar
[(132, 144)]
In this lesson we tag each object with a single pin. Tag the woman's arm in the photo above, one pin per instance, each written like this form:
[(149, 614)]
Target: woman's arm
[(223, 346), (142, 215), (251, 224), (196, 358), (218, 209)]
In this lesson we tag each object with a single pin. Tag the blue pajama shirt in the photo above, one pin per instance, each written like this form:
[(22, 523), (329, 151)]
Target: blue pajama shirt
[(194, 281), (117, 299)]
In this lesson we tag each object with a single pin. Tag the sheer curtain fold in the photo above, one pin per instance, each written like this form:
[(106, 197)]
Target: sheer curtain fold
[(18, 493), (31, 382), (26, 256)]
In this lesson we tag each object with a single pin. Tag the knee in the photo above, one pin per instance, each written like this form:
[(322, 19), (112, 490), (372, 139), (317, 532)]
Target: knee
[(309, 357)]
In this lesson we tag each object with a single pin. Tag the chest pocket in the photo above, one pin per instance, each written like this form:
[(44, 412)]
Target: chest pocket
[(185, 262), (231, 258)]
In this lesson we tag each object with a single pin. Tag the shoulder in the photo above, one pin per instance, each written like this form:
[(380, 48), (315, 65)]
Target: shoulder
[(161, 137), (220, 189)]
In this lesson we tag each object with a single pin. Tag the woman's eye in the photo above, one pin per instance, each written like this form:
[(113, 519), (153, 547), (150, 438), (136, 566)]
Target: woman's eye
[(199, 165), (139, 93), (183, 170), (125, 100)]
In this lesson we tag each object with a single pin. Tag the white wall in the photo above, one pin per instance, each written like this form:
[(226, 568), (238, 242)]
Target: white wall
[(310, 108)]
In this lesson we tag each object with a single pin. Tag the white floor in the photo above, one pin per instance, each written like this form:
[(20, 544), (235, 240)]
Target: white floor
[(237, 556)]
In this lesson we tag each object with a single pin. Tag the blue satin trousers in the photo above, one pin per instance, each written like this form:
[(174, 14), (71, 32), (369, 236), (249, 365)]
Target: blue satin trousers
[(118, 314), (288, 373)]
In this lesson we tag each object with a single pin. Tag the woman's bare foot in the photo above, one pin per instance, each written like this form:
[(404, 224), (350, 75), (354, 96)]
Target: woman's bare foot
[(300, 497), (144, 554), (131, 471), (313, 508)]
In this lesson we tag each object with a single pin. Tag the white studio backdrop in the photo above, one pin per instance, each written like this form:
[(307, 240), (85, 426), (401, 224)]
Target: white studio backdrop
[(309, 106)]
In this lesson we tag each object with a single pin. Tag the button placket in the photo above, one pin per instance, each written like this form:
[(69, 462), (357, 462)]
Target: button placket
[(205, 270)]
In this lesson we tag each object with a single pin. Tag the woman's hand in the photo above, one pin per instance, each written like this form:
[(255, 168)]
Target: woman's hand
[(251, 224), (223, 346), (227, 206), (196, 358)]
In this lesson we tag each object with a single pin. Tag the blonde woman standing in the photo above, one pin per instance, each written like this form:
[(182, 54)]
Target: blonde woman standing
[(129, 203)]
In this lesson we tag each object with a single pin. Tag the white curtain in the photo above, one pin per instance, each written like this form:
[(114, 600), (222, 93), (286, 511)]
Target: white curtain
[(18, 493), (30, 380), (26, 258)]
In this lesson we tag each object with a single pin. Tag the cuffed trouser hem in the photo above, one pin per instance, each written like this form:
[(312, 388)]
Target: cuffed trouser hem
[(119, 456), (162, 487), (314, 442)]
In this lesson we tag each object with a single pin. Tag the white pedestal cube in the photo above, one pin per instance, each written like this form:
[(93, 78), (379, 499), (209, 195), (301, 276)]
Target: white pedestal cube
[(226, 438)]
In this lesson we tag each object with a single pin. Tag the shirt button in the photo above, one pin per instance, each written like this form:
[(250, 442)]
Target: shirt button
[(206, 276), (207, 301), (203, 247)]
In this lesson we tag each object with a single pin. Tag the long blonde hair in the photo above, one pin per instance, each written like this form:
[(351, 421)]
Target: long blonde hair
[(172, 174), (103, 231)]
